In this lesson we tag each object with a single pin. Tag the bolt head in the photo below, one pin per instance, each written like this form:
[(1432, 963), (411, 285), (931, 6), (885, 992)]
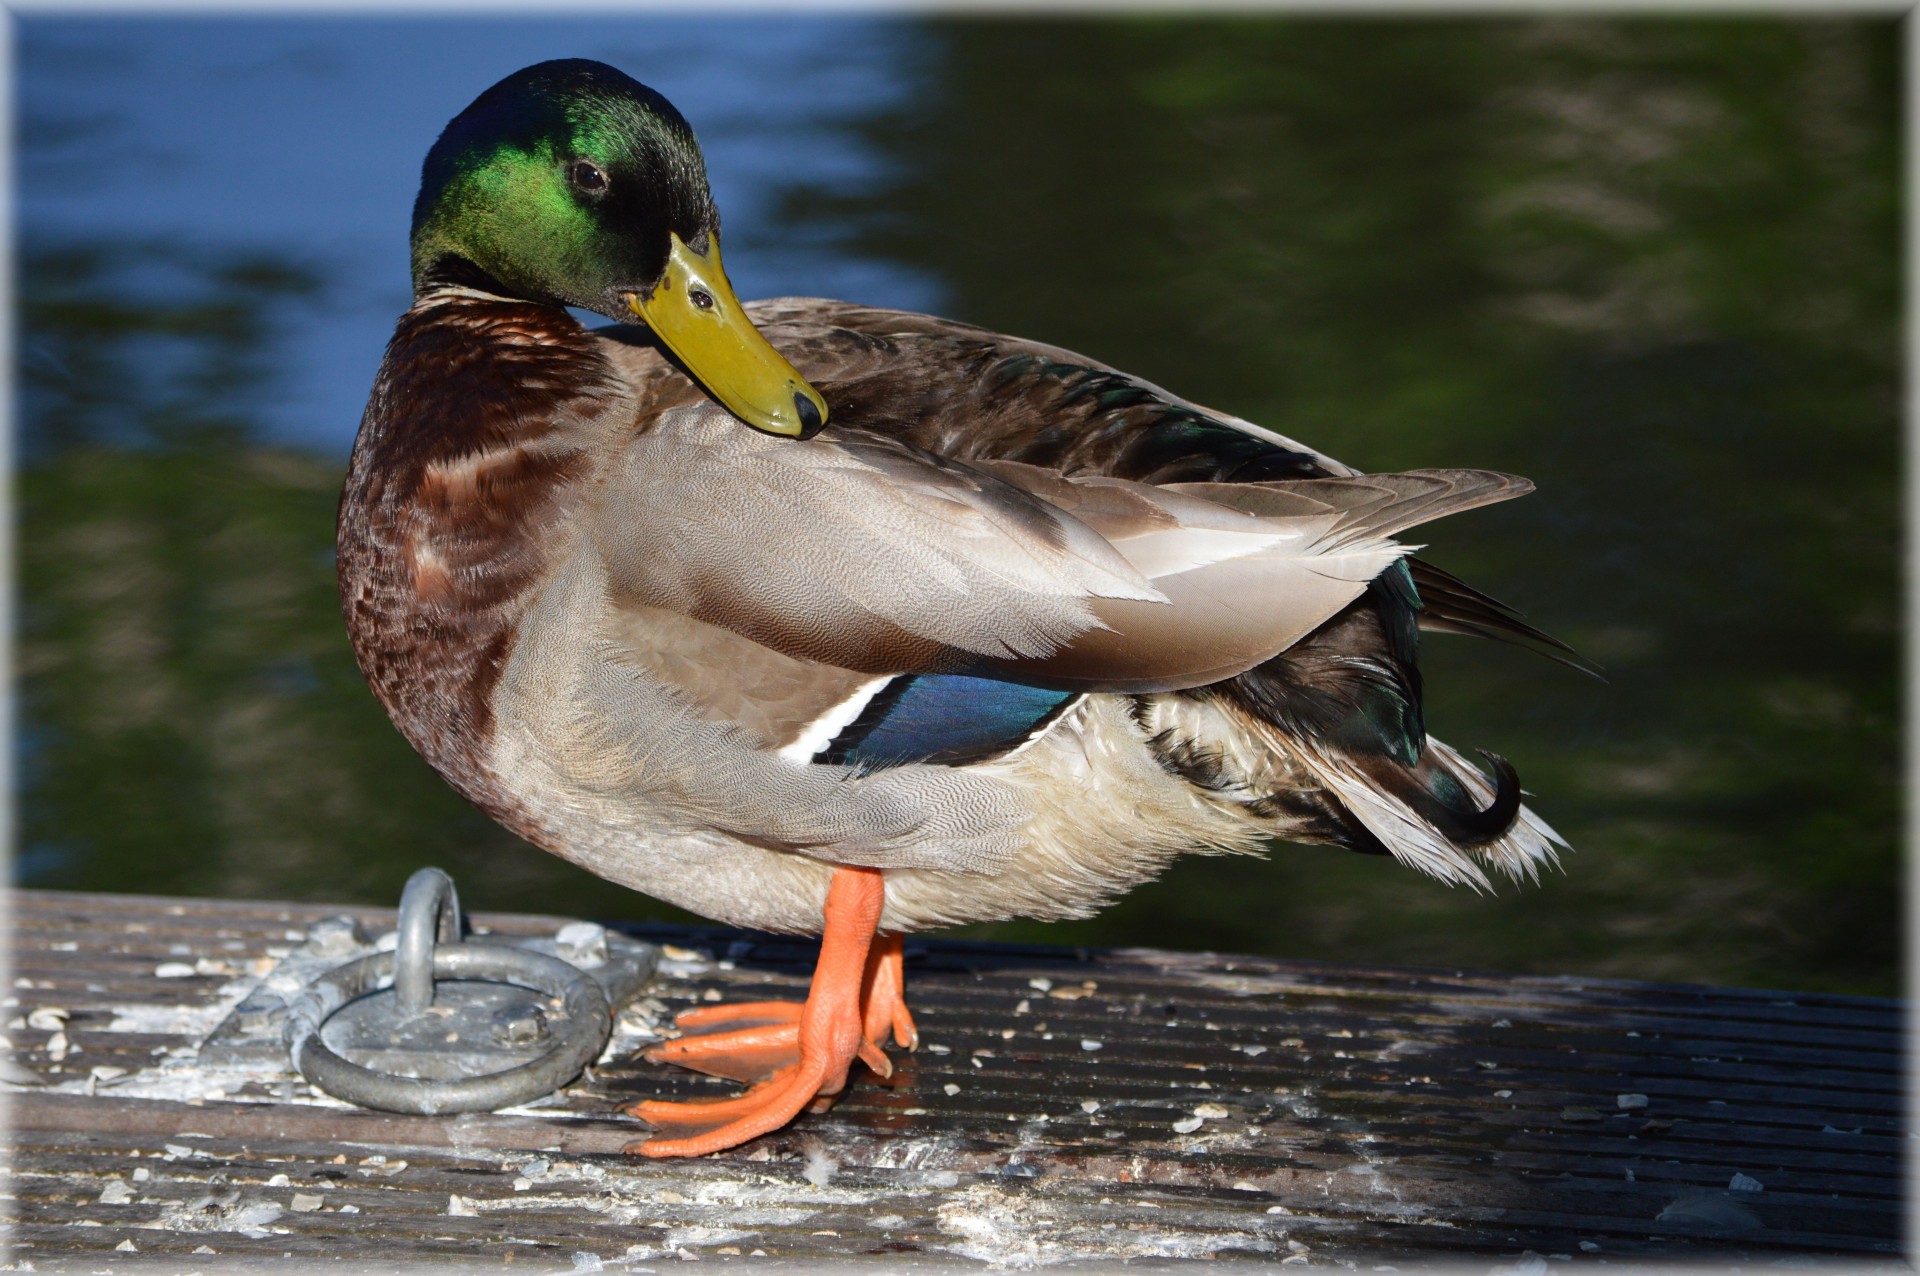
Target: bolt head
[(582, 943), (519, 1026)]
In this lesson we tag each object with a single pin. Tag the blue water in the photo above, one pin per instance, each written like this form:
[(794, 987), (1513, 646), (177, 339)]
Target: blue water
[(304, 136)]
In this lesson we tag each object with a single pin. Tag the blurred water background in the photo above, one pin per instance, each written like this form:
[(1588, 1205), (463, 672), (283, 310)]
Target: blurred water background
[(1650, 262)]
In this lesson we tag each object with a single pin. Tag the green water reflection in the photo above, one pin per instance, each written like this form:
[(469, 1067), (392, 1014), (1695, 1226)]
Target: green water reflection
[(1651, 264)]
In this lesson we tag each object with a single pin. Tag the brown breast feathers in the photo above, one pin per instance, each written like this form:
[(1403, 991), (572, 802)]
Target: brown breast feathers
[(477, 441)]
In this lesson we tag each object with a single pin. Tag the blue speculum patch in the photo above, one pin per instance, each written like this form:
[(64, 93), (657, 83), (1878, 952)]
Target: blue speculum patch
[(948, 718)]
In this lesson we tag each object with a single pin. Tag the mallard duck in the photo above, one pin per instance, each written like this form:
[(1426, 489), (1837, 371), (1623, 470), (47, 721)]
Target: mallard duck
[(818, 618)]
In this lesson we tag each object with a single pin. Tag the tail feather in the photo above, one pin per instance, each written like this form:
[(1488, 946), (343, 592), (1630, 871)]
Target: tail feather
[(1438, 797), (1450, 605), (1518, 849), (1296, 784)]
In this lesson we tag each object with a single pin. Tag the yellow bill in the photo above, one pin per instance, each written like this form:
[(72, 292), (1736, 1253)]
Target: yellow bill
[(694, 311)]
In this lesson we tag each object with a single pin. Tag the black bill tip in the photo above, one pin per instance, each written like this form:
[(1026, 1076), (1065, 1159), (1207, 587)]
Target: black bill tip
[(810, 418)]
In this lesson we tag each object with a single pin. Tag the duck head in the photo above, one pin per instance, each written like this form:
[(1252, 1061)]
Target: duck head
[(570, 183)]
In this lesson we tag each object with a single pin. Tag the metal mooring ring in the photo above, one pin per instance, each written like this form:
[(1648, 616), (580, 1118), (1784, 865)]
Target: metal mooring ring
[(589, 1022), (430, 910)]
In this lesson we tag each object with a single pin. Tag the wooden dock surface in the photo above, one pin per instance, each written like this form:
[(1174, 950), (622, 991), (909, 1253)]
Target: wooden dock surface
[(1089, 1108)]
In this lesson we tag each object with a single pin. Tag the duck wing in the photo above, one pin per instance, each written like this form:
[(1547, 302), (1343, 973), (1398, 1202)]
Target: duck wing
[(970, 394), (1343, 701), (990, 528), (867, 552)]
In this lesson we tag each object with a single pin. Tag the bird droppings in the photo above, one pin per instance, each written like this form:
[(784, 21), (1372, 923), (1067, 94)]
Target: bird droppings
[(1630, 1102), (950, 1088), (47, 1019), (306, 1203), (1187, 1125), (1040, 984), (460, 1207), (1745, 1183), (1088, 1043), (1019, 1231), (174, 970), (14, 1073), (1528, 1264), (116, 1193), (223, 1211), (102, 1074), (1709, 1211), (1089, 1106), (820, 1167)]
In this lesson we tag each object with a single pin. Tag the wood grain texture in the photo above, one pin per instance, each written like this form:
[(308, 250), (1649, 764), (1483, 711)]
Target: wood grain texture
[(1344, 1115)]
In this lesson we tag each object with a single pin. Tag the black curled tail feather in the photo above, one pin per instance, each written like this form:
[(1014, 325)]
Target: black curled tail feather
[(1437, 796)]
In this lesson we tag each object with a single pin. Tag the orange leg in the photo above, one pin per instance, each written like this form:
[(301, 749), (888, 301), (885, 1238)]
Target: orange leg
[(886, 1006), (803, 1053)]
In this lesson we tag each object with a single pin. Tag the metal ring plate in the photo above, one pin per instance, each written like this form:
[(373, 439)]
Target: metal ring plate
[(589, 1019)]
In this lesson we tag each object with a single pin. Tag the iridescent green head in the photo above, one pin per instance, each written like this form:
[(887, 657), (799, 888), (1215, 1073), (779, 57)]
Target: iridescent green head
[(570, 183)]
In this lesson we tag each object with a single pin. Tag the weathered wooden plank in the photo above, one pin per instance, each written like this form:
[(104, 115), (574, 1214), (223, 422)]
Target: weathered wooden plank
[(1327, 1114)]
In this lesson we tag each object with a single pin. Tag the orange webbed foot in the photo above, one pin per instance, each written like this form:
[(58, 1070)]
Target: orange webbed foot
[(799, 1056), (764, 1039)]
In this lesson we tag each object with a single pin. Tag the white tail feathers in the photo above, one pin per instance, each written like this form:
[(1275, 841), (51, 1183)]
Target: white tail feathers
[(1519, 852)]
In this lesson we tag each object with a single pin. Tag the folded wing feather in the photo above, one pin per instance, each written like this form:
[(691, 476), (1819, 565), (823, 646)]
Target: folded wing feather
[(865, 552)]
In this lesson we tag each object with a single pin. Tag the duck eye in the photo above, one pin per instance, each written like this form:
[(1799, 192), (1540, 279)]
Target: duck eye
[(700, 297), (587, 176)]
